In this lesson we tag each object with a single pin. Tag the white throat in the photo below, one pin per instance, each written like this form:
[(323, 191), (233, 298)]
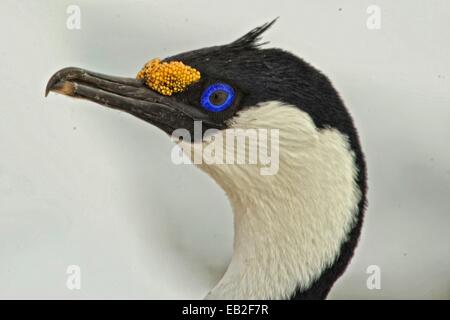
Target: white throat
[(288, 227)]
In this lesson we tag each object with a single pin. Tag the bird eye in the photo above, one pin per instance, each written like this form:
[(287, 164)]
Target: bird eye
[(217, 97)]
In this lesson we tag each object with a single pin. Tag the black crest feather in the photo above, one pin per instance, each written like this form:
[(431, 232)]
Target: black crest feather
[(251, 39)]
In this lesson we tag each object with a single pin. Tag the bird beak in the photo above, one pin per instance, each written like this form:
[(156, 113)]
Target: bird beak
[(129, 95)]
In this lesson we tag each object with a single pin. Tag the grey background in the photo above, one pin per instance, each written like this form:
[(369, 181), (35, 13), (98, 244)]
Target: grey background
[(93, 187)]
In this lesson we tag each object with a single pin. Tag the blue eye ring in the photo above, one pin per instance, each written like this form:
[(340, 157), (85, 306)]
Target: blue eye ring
[(205, 99)]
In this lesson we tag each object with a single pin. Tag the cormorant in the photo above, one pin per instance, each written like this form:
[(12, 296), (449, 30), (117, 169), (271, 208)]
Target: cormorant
[(295, 231)]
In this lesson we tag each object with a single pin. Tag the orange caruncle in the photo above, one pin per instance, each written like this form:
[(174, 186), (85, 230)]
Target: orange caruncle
[(168, 78)]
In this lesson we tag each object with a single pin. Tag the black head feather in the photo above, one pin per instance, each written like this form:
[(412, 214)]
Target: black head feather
[(265, 74)]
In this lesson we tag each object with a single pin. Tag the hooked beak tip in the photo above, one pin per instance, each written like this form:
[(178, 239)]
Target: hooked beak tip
[(63, 87), (48, 87), (59, 81)]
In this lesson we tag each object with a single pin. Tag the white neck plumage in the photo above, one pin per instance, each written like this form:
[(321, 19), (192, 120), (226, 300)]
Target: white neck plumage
[(288, 227)]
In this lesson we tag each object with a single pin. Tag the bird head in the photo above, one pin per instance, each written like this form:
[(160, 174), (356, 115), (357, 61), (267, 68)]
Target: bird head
[(295, 228)]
